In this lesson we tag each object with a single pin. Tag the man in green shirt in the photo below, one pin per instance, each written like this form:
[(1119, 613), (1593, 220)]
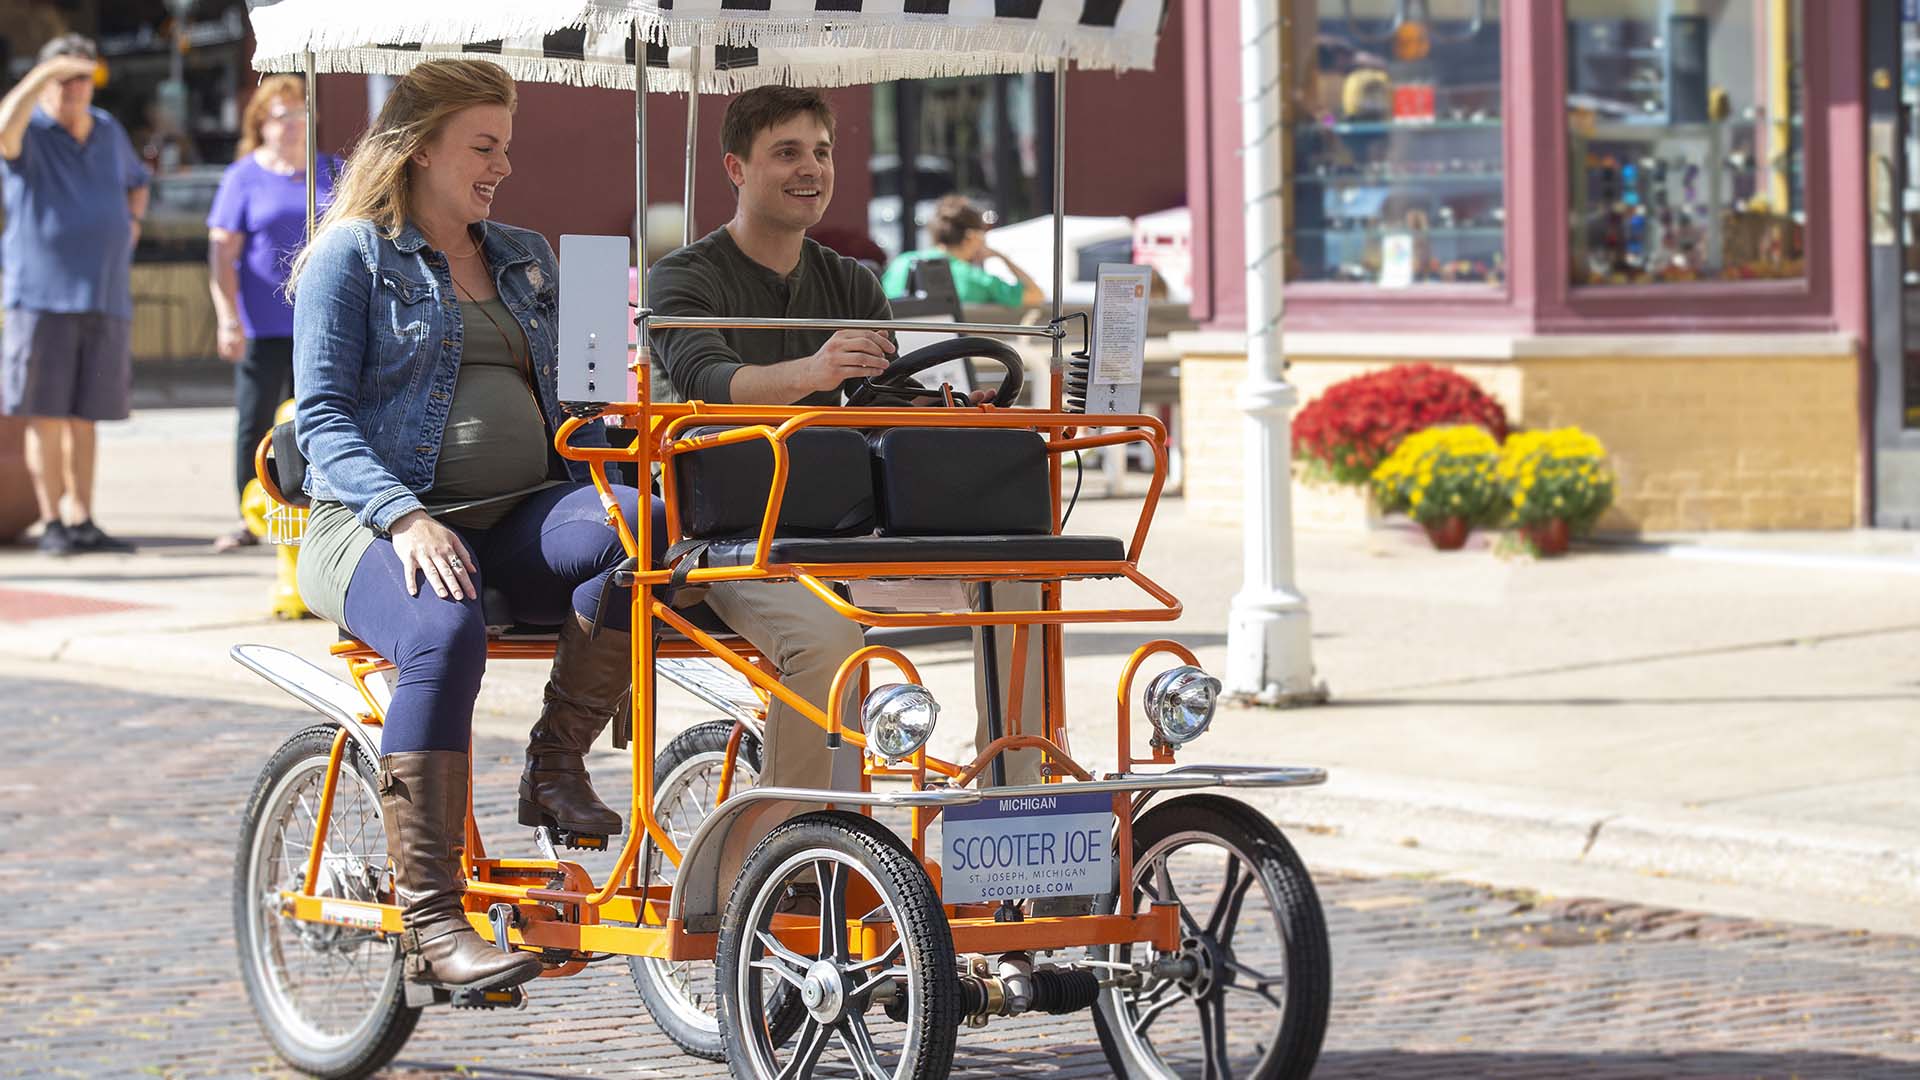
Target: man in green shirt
[(959, 230), (779, 157)]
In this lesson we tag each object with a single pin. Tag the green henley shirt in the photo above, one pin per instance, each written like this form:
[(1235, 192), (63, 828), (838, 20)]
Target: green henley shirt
[(713, 277)]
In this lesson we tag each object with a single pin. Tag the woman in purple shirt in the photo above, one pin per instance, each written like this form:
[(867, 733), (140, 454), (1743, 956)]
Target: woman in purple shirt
[(258, 222)]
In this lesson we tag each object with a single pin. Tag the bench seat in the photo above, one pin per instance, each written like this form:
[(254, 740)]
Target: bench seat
[(921, 549)]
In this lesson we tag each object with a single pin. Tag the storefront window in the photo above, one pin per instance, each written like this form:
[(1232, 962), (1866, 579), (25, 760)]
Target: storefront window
[(1396, 116), (1686, 140)]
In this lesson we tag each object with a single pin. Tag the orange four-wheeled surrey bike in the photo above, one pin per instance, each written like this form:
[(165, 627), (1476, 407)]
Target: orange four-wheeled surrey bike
[(1184, 923)]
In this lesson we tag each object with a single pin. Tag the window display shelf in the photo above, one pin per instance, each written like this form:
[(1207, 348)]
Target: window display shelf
[(1459, 231), (1397, 127), (1488, 178)]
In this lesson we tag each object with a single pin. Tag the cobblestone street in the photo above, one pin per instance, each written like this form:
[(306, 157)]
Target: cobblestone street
[(119, 814)]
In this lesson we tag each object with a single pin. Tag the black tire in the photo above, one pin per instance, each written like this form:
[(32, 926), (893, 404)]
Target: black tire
[(379, 1021), (833, 846), (677, 997), (1297, 926)]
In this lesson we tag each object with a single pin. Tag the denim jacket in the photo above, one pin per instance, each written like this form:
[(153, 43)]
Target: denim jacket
[(376, 354)]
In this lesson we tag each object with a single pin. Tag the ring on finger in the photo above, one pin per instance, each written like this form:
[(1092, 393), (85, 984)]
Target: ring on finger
[(458, 566)]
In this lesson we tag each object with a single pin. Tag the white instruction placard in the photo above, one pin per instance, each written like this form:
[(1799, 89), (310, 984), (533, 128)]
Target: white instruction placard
[(1119, 338)]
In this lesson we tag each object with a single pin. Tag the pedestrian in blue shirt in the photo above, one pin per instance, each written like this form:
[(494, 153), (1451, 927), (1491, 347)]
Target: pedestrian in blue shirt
[(75, 193), (257, 224)]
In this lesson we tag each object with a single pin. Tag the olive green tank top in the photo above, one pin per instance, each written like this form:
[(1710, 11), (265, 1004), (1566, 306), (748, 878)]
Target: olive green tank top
[(494, 450)]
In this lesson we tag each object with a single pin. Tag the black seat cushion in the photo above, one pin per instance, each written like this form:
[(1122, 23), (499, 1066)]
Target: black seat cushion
[(961, 482), (922, 549), (722, 491)]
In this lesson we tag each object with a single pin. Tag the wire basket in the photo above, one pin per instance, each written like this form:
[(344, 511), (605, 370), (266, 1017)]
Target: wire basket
[(286, 524)]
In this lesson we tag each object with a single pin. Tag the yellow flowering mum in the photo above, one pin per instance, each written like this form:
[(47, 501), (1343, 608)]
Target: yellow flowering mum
[(1441, 472), (1560, 473)]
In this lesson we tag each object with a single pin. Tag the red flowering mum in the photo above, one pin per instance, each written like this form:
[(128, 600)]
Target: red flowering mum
[(1342, 434)]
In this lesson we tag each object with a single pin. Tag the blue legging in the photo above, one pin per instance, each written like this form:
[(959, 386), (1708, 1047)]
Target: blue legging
[(553, 555)]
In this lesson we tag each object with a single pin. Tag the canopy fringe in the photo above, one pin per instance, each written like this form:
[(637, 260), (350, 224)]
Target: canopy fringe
[(898, 46)]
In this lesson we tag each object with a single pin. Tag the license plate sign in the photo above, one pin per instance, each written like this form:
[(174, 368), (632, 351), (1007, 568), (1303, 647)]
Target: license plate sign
[(1027, 847)]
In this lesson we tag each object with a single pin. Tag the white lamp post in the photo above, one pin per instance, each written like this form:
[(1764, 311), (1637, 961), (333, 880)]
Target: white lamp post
[(1269, 629)]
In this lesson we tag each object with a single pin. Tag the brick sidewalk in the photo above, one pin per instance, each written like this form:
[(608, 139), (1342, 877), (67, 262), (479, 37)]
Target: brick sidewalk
[(121, 811)]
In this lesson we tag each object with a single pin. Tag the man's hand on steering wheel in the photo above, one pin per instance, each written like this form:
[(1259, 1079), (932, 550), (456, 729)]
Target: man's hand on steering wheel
[(896, 385), (848, 354)]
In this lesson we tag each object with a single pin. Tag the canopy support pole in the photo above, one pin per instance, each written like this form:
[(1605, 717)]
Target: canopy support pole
[(1059, 196), (643, 352), (693, 130), (1269, 629), (1053, 690), (313, 143)]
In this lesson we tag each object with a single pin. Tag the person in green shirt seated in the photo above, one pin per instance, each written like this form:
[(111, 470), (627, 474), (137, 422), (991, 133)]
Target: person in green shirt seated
[(960, 231)]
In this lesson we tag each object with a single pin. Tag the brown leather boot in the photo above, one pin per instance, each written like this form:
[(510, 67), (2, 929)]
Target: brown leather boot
[(423, 803), (589, 681)]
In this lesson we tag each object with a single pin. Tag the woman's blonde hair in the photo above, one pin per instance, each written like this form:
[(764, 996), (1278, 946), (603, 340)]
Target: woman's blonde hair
[(375, 184), (271, 89)]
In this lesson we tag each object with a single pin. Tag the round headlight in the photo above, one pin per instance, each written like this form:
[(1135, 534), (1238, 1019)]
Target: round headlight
[(899, 719), (1180, 702)]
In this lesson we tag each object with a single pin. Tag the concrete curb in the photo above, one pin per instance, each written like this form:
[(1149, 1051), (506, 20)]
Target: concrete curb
[(1846, 863)]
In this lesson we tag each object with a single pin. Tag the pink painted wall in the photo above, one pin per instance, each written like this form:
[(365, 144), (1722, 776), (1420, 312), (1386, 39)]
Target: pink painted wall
[(1211, 75), (575, 149), (1127, 146), (573, 155)]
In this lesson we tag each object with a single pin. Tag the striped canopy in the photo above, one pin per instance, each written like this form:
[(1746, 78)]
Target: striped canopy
[(741, 43)]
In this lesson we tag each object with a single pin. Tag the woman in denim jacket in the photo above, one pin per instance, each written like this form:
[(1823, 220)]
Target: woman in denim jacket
[(424, 349)]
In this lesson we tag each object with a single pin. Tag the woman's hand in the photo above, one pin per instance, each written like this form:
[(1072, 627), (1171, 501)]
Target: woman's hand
[(432, 549)]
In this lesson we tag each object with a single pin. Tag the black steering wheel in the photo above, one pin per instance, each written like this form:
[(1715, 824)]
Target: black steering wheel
[(896, 385)]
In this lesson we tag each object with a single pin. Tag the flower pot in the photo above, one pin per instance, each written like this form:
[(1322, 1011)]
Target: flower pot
[(1549, 537), (1447, 534)]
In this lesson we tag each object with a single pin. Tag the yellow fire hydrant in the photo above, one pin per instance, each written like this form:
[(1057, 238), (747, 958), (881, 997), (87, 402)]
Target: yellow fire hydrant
[(281, 526)]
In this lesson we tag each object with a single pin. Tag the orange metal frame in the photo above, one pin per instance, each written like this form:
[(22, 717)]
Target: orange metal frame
[(588, 917)]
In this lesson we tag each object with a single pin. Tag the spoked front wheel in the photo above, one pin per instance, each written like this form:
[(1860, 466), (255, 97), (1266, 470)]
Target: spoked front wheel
[(329, 997), (680, 994), (1247, 994), (888, 1014)]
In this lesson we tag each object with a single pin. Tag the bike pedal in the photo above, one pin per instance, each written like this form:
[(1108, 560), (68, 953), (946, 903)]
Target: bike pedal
[(585, 841), (511, 997), (548, 837)]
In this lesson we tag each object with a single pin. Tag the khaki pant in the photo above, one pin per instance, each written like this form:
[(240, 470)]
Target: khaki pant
[(808, 641)]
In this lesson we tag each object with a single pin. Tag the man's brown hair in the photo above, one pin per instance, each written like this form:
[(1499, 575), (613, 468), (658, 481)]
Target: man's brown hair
[(764, 107)]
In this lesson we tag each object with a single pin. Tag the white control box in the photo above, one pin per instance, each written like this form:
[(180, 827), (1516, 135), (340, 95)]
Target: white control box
[(595, 320)]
